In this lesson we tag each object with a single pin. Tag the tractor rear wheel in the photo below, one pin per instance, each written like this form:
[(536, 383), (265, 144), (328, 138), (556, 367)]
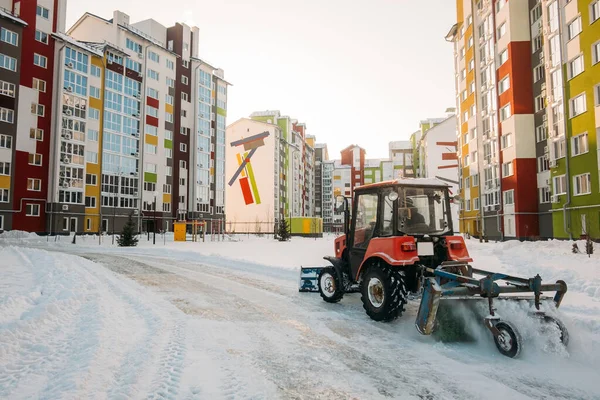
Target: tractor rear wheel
[(331, 288), (383, 293)]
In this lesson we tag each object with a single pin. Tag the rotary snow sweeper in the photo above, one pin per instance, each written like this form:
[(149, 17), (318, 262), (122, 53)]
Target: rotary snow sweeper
[(400, 240)]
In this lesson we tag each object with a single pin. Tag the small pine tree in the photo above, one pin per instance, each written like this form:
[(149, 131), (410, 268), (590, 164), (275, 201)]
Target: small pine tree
[(283, 233), (127, 237)]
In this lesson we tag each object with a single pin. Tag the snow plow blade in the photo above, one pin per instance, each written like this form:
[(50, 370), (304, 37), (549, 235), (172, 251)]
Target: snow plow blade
[(308, 279), (432, 292)]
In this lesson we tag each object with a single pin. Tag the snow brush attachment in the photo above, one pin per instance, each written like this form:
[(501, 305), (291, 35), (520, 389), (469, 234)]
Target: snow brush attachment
[(308, 279), (453, 281)]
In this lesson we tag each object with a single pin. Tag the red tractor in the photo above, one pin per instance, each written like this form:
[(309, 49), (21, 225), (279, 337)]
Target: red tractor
[(401, 240)]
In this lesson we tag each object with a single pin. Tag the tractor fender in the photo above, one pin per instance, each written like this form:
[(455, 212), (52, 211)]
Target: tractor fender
[(397, 251), (338, 265)]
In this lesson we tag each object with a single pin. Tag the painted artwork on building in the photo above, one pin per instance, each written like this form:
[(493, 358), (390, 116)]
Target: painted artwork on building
[(245, 174)]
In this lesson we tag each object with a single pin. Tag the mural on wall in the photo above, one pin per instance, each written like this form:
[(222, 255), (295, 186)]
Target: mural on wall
[(244, 171)]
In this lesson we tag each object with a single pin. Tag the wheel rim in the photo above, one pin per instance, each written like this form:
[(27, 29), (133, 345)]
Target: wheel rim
[(328, 285), (376, 293), (505, 340)]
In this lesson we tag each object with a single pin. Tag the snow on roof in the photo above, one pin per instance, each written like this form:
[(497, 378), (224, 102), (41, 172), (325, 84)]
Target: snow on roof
[(81, 45), (6, 14)]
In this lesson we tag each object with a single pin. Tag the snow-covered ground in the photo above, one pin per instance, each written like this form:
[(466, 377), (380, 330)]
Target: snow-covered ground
[(224, 320)]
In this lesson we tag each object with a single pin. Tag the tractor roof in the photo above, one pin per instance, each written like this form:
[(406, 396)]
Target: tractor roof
[(413, 182)]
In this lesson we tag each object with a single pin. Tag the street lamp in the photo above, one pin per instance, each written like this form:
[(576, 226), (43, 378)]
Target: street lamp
[(154, 235)]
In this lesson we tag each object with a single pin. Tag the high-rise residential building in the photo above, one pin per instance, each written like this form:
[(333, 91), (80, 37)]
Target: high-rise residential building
[(324, 199), (27, 51), (342, 186), (527, 94), (161, 123), (402, 158), (438, 153), (354, 156), (269, 173), (494, 81), (415, 141)]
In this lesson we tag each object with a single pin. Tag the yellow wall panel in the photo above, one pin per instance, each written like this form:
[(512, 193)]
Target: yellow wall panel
[(4, 182), (151, 139)]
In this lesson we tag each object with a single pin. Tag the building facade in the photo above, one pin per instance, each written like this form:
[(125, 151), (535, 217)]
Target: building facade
[(354, 156), (26, 110), (439, 149), (527, 95)]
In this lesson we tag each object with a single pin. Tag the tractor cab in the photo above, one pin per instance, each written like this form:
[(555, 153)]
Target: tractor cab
[(418, 209)]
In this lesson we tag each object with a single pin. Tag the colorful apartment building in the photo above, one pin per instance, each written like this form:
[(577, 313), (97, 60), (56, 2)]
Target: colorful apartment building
[(27, 51), (497, 157), (528, 99), (354, 156), (270, 172)]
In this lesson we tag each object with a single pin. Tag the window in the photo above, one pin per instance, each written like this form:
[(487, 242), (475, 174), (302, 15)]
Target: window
[(181, 183), (463, 74), (95, 71), (560, 184), (544, 195), (32, 210), (503, 57), (9, 37), (576, 67), (505, 112), (168, 171), (94, 113), (8, 63), (501, 30), (466, 161), (578, 105), (153, 93), (38, 109), (541, 133), (582, 184), (91, 179), (183, 113), (150, 148), (152, 74), (468, 205), (7, 115), (7, 89), (579, 144), (41, 37), (539, 73), (559, 149), (467, 182), (167, 188), (43, 12), (92, 135), (184, 79), (475, 180), (471, 65), (4, 168), (4, 197), (183, 130), (182, 164), (168, 135), (169, 117), (153, 56), (170, 65), (506, 140), (40, 60), (150, 168), (507, 169), (91, 157), (151, 111), (509, 197), (94, 92), (470, 42), (574, 28), (185, 63), (169, 99), (184, 96), (542, 164), (537, 43), (504, 85), (34, 185), (183, 147), (168, 153), (131, 45), (170, 82), (539, 103), (5, 142)]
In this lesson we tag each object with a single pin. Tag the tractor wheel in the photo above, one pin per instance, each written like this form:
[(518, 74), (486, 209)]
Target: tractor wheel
[(564, 333), (383, 293), (509, 341), (330, 285)]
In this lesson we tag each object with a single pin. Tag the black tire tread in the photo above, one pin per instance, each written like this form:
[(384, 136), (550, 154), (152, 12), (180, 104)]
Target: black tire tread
[(339, 292), (394, 305)]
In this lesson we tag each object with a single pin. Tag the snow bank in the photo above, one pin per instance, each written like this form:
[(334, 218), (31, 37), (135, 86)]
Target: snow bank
[(18, 235)]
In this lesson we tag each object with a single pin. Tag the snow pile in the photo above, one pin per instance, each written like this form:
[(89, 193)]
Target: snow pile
[(18, 235)]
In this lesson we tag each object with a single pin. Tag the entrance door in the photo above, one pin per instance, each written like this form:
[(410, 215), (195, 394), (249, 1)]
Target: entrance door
[(363, 228), (73, 225)]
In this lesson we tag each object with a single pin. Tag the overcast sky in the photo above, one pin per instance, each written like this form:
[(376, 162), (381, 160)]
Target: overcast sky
[(355, 71)]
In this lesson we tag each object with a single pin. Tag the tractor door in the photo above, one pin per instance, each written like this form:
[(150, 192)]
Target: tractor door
[(363, 228)]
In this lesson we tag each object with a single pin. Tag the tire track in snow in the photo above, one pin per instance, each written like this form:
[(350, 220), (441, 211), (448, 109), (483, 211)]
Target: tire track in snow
[(171, 365)]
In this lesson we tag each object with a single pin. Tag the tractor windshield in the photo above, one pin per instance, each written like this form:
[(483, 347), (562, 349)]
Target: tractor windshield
[(423, 210)]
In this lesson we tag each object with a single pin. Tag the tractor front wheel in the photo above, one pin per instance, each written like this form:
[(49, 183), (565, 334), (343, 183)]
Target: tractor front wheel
[(383, 293), (331, 288)]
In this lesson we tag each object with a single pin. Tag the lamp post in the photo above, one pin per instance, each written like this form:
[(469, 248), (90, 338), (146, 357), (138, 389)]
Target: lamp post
[(154, 225)]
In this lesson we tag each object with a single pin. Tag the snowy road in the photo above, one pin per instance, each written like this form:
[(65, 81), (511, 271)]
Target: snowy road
[(210, 328)]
